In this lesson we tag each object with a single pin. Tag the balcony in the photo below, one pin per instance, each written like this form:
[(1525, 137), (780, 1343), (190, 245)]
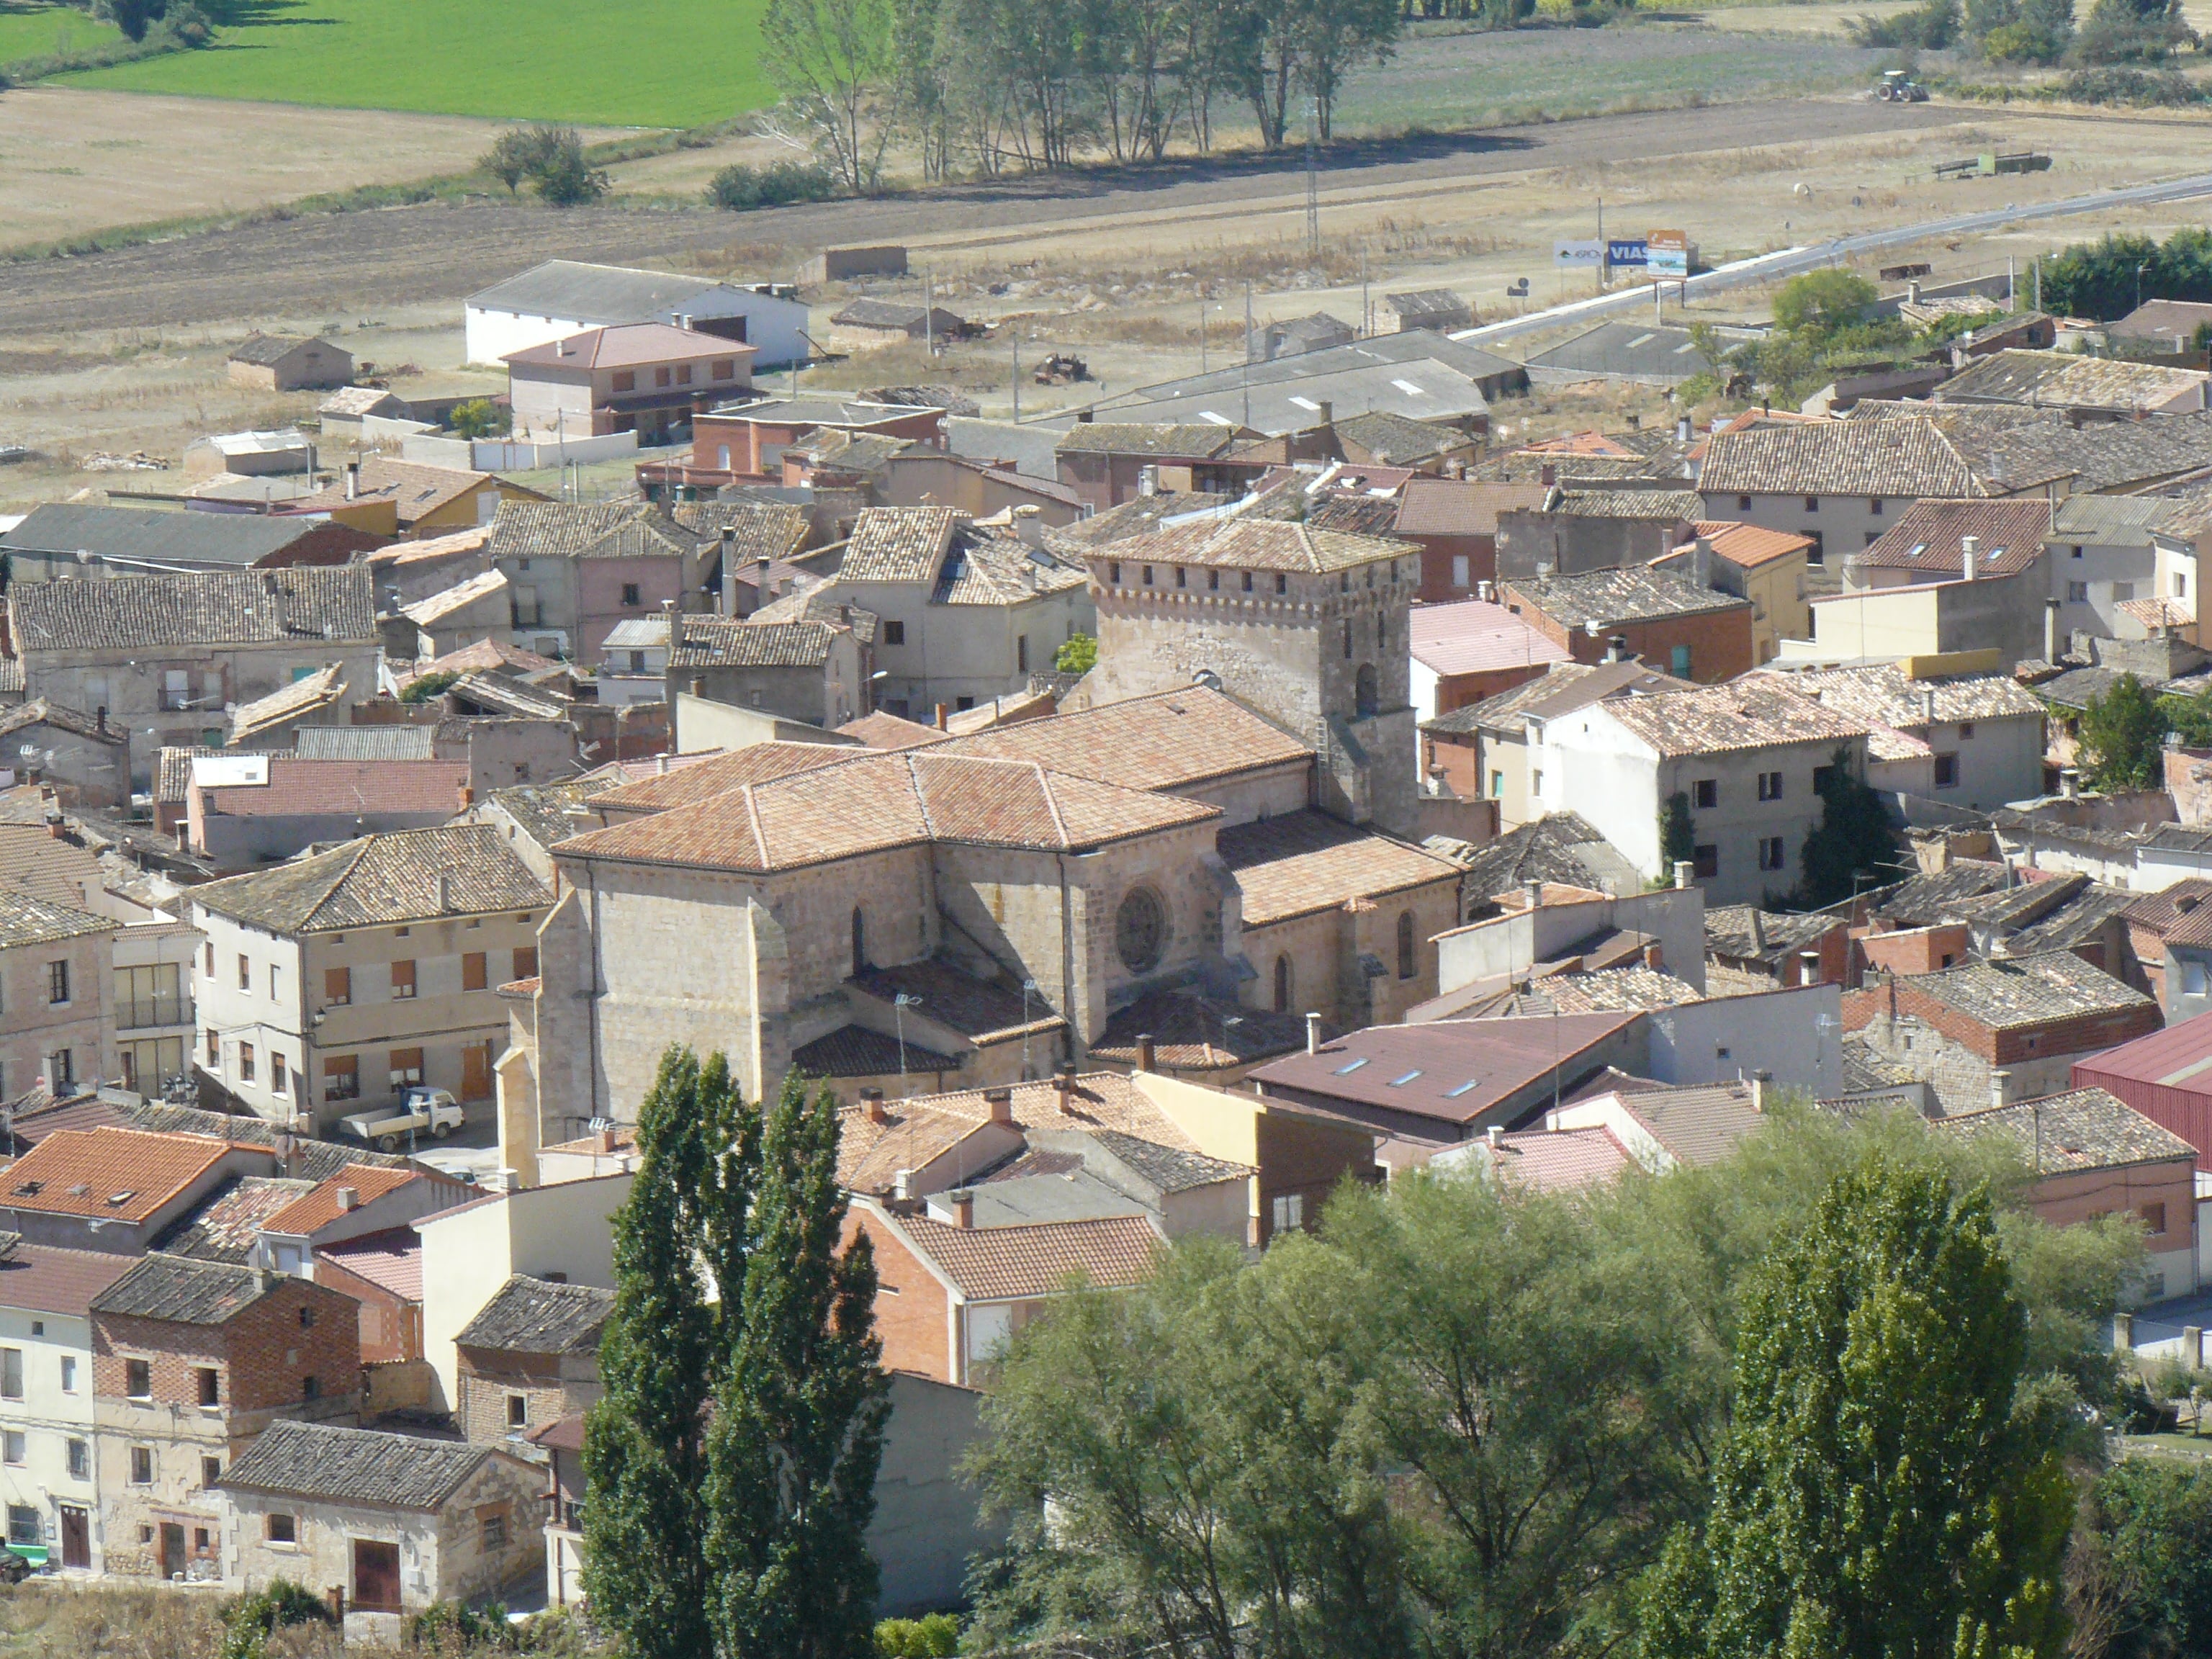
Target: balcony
[(137, 1013)]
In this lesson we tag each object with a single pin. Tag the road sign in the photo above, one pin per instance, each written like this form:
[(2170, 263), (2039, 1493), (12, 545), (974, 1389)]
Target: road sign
[(1579, 256), (1668, 252), (1626, 251)]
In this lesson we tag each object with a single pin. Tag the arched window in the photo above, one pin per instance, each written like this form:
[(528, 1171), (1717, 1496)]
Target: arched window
[(1141, 930), (1407, 962), (1282, 985), (1366, 691), (859, 941)]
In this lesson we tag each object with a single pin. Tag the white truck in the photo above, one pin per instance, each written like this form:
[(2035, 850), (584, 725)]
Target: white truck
[(419, 1110)]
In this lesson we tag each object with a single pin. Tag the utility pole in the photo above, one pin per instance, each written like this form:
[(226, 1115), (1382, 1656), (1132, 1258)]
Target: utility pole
[(1017, 336), (1313, 180), (1248, 353), (1366, 309), (1202, 334), (928, 316), (1604, 263)]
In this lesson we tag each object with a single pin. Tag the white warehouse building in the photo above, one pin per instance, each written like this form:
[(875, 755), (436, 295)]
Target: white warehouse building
[(562, 297)]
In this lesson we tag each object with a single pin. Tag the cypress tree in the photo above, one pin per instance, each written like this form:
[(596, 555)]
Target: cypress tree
[(1854, 837), (799, 1422), (645, 1455), (1887, 1490)]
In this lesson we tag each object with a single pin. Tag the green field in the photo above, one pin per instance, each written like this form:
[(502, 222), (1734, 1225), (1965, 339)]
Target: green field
[(29, 29), (604, 62)]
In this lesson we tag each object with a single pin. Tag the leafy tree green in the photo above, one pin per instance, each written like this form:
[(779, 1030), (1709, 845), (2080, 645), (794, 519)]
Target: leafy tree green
[(738, 188), (1078, 655), (563, 177), (1821, 304), (2121, 735), (1853, 844), (798, 1429), (933, 1636), (645, 1442), (423, 687), (2150, 1519), (833, 60), (514, 156), (2189, 718), (1888, 1486), (1930, 26), (2103, 278), (1678, 836), (133, 17), (479, 417)]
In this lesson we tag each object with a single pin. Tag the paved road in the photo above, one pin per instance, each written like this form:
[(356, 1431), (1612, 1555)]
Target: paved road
[(1788, 262), (339, 264)]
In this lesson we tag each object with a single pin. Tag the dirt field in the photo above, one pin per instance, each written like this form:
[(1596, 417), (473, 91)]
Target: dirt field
[(73, 161)]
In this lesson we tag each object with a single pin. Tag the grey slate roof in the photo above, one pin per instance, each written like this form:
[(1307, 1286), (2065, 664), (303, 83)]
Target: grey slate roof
[(1628, 351), (2081, 1129), (270, 349), (725, 642), (540, 810), (183, 1291), (362, 742), (535, 1315), (592, 530), (169, 538), (1611, 596), (381, 880), (1921, 901), (1169, 1168), (1729, 933), (603, 295), (217, 608), (1563, 848), (366, 1467), (2014, 992)]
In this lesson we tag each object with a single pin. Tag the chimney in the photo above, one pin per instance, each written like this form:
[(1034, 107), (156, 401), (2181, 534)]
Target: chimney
[(2000, 1080), (1912, 293), (1967, 547), (871, 1106), (902, 1185), (1928, 704), (444, 894), (100, 716), (1001, 1101), (1486, 591), (760, 583), (1655, 957), (1616, 649), (348, 1199), (466, 796), (352, 481), (1313, 1033), (2069, 783), (729, 594), (1028, 526), (1759, 1082), (1758, 927), (1532, 893), (1085, 416), (1682, 430), (1327, 412), (941, 717), (964, 1208), (660, 764), (1148, 480), (1063, 1084), (1808, 968), (1145, 1052), (1548, 474), (1701, 561), (1496, 1135), (2050, 632), (1682, 869)]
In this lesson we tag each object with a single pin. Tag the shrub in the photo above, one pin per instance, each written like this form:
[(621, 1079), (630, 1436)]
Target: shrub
[(2131, 88), (740, 187), (2022, 43), (551, 158), (1079, 656), (249, 1622), (1928, 27), (935, 1637), (424, 687), (479, 417)]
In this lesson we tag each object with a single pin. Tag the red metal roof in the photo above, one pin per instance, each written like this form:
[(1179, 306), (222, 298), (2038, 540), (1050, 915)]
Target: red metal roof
[(1472, 636), (2167, 1076)]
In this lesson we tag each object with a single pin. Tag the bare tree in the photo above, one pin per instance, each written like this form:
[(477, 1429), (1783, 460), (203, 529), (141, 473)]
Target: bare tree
[(831, 60)]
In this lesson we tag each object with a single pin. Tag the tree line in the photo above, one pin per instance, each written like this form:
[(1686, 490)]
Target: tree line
[(1015, 85), (2037, 31)]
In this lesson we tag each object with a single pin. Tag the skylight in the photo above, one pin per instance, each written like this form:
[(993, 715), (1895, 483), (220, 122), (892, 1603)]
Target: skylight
[(1343, 1070), (1305, 402), (1401, 1082), (1409, 388), (1454, 1094)]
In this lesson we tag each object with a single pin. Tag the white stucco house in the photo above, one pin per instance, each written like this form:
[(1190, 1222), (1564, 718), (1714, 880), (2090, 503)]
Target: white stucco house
[(562, 297)]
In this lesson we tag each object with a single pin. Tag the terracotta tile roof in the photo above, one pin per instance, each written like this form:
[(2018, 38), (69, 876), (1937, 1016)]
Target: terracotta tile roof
[(2008, 534), (2158, 612), (1746, 713), (489, 656), (299, 789), (1885, 693), (1196, 440), (536, 1315), (888, 732), (1473, 636), (318, 1207), (2081, 1129), (898, 544), (391, 1259), (1170, 740), (857, 1051), (982, 569), (436, 607), (2019, 992), (1562, 847), (1890, 459), (1544, 1160), (302, 697), (1246, 544), (418, 491), (294, 607), (718, 775), (510, 697), (1389, 437), (270, 349), (759, 529), (1609, 989), (123, 1174), (1747, 545), (1133, 517), (594, 530), (628, 345), (369, 1467), (27, 921), (1193, 1032), (382, 880), (924, 1127), (1608, 598), (876, 801), (979, 1010), (42, 711), (225, 1227), (183, 1291), (428, 550), (45, 1279), (2160, 912), (1744, 933), (1923, 900), (1303, 862), (1698, 1125), (1000, 1264), (726, 642)]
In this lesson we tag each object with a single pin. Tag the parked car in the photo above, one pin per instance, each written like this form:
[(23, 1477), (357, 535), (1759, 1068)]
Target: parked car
[(419, 1109)]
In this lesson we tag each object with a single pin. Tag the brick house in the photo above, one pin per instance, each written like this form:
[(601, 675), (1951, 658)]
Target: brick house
[(1455, 524), (744, 443), (530, 1358), (2153, 919), (1466, 650), (1109, 462), (2094, 1156), (285, 363), (1990, 1032), (950, 1294), (1669, 621), (190, 1360), (644, 378), (398, 1520), (1756, 950)]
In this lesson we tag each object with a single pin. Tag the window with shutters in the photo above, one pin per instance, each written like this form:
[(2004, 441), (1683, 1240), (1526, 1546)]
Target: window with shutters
[(473, 973), (406, 1067), (341, 1077), (526, 961), (403, 981), (338, 987)]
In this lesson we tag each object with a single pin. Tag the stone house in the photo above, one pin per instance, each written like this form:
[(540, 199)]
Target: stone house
[(1484, 748), (1991, 1032), (811, 671), (530, 1358), (451, 619), (1746, 757), (57, 994), (1109, 462), (412, 499), (865, 325), (1586, 528), (1841, 483), (744, 442), (2152, 919), (573, 572), (1749, 950), (398, 1520), (2106, 552), (1454, 522), (1678, 626), (963, 614), (1979, 737), (47, 1480), (1437, 308), (165, 654), (285, 363), (84, 758), (192, 1360), (336, 982), (645, 377)]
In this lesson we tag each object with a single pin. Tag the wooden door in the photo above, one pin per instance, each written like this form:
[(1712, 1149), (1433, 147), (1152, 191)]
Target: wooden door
[(77, 1538), (475, 1071), (375, 1576), (172, 1549)]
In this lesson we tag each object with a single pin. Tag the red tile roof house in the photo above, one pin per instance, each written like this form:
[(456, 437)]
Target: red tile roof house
[(246, 825), (1468, 650), (645, 377), (1990, 1032), (1668, 622), (744, 443), (117, 1189), (1455, 524), (191, 1361)]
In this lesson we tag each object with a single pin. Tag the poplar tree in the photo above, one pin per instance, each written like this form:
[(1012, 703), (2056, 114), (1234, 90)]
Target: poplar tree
[(1888, 1489), (798, 1424)]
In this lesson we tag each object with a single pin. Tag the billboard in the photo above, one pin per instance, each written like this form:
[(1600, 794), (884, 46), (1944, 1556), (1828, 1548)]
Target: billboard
[(1626, 251), (1578, 256), (1669, 254)]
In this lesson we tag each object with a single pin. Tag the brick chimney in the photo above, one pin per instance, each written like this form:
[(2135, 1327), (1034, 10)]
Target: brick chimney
[(873, 1108), (1063, 1084), (1145, 1052), (964, 1208), (348, 1199), (1001, 1105)]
